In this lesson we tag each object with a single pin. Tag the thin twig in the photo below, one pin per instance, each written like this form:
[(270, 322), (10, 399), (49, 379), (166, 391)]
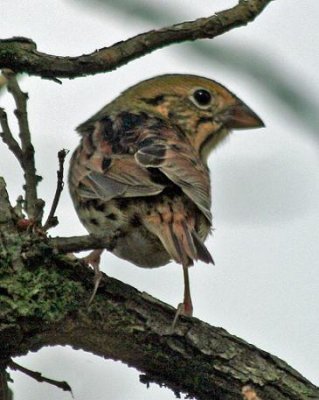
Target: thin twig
[(28, 163), (52, 220), (8, 138), (39, 378), (21, 55)]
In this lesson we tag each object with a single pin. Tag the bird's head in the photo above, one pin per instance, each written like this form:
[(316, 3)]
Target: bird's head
[(205, 110)]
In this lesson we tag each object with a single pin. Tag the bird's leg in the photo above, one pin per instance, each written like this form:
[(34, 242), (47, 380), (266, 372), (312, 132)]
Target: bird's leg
[(94, 259), (185, 308), (187, 303)]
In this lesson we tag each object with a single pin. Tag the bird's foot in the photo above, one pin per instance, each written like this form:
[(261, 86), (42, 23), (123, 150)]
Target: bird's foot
[(93, 259), (186, 309)]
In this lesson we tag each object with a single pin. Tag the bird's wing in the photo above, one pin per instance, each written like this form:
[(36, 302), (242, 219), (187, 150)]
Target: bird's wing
[(139, 155), (134, 155), (103, 165), (124, 178), (178, 161)]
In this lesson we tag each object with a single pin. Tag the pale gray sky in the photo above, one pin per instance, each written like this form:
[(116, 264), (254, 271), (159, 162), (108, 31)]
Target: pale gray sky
[(264, 287)]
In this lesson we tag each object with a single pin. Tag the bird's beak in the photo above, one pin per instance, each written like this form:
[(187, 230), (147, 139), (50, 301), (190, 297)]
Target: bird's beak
[(239, 116)]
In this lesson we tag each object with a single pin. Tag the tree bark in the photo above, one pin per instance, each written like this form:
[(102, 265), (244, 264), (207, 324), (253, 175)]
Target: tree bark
[(44, 295), (5, 392)]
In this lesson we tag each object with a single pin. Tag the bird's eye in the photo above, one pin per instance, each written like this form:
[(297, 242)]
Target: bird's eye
[(202, 98)]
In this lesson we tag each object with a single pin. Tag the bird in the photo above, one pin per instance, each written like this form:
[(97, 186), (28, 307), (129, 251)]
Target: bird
[(139, 174)]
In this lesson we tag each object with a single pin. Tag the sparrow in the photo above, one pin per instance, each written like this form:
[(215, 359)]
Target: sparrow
[(139, 175)]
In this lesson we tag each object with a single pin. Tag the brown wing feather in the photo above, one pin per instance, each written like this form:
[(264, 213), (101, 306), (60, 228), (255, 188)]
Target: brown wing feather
[(180, 163), (118, 159)]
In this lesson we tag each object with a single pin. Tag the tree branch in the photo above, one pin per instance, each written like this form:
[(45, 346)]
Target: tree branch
[(43, 302), (81, 243), (25, 153), (5, 392), (39, 377), (20, 54)]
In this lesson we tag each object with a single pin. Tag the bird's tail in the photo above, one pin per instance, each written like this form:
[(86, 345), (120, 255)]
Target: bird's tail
[(181, 242)]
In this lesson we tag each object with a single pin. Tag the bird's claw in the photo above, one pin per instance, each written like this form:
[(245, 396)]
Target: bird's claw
[(97, 280), (93, 259), (182, 309)]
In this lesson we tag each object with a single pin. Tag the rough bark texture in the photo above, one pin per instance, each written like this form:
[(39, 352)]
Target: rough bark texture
[(43, 297), (21, 55)]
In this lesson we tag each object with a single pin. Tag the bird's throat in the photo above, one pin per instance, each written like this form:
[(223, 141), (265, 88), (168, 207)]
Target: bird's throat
[(211, 141)]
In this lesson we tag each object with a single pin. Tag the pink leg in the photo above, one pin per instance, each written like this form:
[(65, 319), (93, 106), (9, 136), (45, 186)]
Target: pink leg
[(185, 308)]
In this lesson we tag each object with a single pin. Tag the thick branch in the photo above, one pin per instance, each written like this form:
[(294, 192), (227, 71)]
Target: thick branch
[(20, 54), (43, 302), (5, 392)]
